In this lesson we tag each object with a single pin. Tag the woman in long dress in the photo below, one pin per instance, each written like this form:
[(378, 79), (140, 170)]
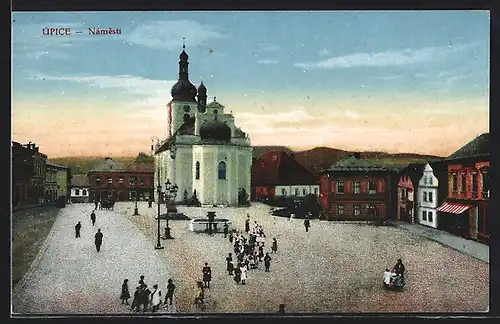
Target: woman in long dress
[(237, 274), (125, 293), (156, 298), (244, 271)]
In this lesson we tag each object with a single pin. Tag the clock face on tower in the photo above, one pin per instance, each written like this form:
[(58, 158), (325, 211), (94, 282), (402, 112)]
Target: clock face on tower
[(187, 108)]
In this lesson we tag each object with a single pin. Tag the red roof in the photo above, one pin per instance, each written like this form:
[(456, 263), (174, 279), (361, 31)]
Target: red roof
[(278, 168), (141, 167)]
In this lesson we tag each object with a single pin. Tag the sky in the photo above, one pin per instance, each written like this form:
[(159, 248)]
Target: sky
[(395, 81)]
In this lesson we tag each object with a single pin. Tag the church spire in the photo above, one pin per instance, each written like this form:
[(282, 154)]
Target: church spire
[(183, 63)]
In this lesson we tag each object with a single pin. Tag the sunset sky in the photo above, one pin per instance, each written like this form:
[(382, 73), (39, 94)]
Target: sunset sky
[(399, 81)]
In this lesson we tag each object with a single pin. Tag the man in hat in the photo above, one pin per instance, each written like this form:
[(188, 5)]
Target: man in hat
[(226, 230), (77, 229), (170, 291), (307, 223), (92, 218), (98, 240), (207, 275)]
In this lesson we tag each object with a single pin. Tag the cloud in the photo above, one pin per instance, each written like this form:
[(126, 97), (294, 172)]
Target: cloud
[(389, 77), (267, 61), (323, 52), (168, 34), (147, 92), (267, 47), (389, 58)]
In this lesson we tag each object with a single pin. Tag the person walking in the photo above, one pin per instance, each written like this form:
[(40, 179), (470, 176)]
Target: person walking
[(274, 247), (237, 274), (136, 304), (226, 230), (125, 295), (145, 298), (231, 237), (307, 224), (282, 309), (229, 264), (207, 275), (170, 292), (96, 203), (141, 281), (155, 298), (78, 227), (92, 218), (98, 240), (261, 253), (247, 224), (267, 262), (243, 270)]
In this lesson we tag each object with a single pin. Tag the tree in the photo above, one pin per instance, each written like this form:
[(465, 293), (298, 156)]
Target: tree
[(144, 158)]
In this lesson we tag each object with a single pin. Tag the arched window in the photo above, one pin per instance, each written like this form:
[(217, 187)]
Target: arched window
[(222, 170), (197, 176)]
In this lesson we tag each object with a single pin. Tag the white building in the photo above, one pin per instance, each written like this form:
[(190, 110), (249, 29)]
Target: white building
[(79, 188), (205, 151), (428, 198)]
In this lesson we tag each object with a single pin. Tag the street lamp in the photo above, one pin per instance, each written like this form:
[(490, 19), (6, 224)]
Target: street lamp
[(158, 243), (170, 193), (136, 211)]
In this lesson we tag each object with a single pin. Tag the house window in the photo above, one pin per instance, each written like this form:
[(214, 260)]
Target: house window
[(372, 187), (77, 192), (430, 197), (142, 181), (429, 216), (357, 210), (356, 187), (222, 170), (462, 183), (340, 187), (425, 196), (315, 191), (455, 182), (304, 192), (120, 179), (110, 180), (133, 180), (474, 182), (197, 171), (340, 210), (424, 215), (98, 180), (84, 192), (283, 192), (296, 192)]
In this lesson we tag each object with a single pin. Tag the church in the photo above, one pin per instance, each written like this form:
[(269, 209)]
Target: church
[(205, 154)]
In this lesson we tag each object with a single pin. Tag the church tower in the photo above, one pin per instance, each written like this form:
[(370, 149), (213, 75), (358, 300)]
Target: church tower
[(202, 98), (183, 104)]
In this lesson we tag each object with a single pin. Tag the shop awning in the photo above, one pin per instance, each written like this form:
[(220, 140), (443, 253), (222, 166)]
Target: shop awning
[(453, 208)]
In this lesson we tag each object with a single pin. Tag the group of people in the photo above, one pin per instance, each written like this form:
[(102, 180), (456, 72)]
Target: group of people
[(97, 237), (395, 276), (248, 252), (145, 298)]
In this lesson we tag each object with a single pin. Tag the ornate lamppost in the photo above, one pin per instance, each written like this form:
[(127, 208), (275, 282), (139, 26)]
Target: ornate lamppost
[(158, 243), (170, 194)]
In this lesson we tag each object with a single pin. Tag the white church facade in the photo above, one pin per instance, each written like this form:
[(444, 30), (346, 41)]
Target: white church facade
[(428, 198), (205, 153)]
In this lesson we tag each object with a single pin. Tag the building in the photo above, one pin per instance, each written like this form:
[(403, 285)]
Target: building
[(464, 211), (112, 180), (428, 195), (278, 174), (63, 183), (205, 153), (80, 188), (22, 173), (356, 189), (50, 183)]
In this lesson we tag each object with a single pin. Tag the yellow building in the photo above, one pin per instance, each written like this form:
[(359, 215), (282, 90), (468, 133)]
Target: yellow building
[(61, 177)]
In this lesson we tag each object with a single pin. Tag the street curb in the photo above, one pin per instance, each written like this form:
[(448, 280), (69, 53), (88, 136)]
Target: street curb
[(36, 262), (444, 244)]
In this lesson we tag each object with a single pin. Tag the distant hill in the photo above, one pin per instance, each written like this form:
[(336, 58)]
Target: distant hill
[(315, 159), (319, 158)]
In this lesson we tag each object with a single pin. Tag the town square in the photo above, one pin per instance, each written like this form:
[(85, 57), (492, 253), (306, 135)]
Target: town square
[(207, 174)]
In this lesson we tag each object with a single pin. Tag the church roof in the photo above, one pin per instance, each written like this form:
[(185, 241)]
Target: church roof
[(187, 128), (215, 130), (353, 163), (479, 146), (238, 132), (215, 105), (278, 168), (108, 165)]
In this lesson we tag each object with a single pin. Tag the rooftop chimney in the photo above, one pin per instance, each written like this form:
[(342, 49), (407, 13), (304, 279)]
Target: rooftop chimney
[(357, 155)]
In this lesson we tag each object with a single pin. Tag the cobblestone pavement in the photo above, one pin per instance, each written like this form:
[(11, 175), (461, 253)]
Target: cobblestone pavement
[(71, 277), (336, 267)]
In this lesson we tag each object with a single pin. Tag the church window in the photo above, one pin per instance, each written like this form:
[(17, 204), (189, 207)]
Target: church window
[(222, 170), (197, 176)]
